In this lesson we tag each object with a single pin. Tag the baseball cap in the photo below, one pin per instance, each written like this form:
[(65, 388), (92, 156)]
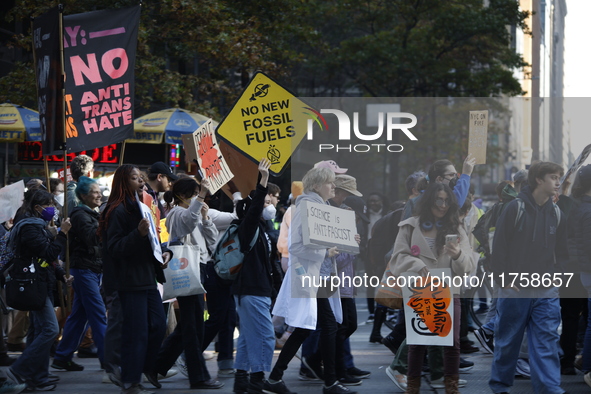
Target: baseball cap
[(161, 168), (358, 205), (331, 165), (347, 183)]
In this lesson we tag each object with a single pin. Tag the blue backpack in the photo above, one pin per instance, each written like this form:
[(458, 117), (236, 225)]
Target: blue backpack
[(229, 255)]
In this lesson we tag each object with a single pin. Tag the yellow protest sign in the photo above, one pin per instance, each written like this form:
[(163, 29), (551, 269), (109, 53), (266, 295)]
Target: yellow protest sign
[(261, 124)]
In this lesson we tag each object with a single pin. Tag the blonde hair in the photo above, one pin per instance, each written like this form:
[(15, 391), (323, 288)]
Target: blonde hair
[(317, 177)]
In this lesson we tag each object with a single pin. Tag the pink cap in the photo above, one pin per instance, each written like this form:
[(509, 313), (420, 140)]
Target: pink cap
[(331, 165)]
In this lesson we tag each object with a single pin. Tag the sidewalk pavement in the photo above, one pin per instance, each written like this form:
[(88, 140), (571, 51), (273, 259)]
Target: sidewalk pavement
[(371, 357)]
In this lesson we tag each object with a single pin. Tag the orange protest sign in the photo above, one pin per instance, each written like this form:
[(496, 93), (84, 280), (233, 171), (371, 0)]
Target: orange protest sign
[(432, 311), (429, 308)]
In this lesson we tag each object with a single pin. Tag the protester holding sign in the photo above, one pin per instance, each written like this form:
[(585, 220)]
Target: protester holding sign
[(131, 269), (253, 289), (87, 266), (421, 245), (188, 222), (305, 306)]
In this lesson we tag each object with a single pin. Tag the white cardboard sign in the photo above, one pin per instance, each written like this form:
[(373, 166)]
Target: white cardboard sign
[(329, 226)]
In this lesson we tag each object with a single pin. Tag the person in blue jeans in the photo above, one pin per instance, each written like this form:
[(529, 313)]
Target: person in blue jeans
[(252, 290), (33, 237), (530, 239), (87, 266)]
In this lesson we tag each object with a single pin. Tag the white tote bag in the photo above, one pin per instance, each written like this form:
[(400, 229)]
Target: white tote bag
[(183, 274)]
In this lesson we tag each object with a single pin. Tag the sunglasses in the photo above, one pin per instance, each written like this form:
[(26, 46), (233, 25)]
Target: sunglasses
[(440, 202)]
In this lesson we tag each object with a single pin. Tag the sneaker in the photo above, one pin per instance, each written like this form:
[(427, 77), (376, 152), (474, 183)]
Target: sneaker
[(587, 378), (52, 378), (522, 368), (316, 370), (486, 341), (171, 372), (136, 389), (465, 365), (208, 355), (152, 377), (66, 365), (337, 388), (398, 378), (358, 373), (16, 378), (306, 375), (182, 366), (115, 377), (211, 384), (47, 386), (439, 383), (349, 380), (277, 387), (12, 388), (370, 319), (226, 373), (105, 378)]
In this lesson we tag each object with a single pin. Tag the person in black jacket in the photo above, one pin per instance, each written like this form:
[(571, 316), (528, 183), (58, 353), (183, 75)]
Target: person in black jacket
[(87, 267), (253, 290), (131, 268), (579, 233), (32, 238)]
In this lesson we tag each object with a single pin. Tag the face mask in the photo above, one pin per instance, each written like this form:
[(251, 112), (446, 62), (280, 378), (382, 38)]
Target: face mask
[(269, 212), (59, 199), (48, 213), (453, 182)]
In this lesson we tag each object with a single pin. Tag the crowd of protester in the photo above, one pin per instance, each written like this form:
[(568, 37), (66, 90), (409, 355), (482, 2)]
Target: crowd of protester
[(118, 315)]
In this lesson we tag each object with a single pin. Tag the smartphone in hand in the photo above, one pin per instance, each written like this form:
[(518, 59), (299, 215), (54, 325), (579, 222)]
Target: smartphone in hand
[(451, 238)]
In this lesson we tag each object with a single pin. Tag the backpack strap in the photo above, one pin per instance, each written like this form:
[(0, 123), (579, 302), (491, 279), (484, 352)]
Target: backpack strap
[(558, 214), (520, 212), (252, 242)]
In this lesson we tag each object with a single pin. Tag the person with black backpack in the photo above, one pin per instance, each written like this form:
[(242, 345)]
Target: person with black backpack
[(36, 246)]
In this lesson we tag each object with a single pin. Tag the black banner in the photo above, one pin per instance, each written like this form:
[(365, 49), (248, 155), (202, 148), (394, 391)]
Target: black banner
[(99, 54), (50, 81)]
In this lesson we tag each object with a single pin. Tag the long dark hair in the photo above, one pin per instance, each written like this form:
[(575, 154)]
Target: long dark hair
[(183, 188), (121, 190), (37, 197), (449, 223)]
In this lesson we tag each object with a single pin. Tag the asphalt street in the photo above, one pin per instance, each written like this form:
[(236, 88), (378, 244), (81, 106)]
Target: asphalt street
[(371, 357)]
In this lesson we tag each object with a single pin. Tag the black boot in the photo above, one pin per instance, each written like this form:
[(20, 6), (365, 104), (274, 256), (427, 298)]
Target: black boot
[(378, 320), (240, 381), (256, 384)]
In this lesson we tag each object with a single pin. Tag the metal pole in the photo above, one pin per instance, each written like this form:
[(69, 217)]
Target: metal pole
[(122, 153)]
